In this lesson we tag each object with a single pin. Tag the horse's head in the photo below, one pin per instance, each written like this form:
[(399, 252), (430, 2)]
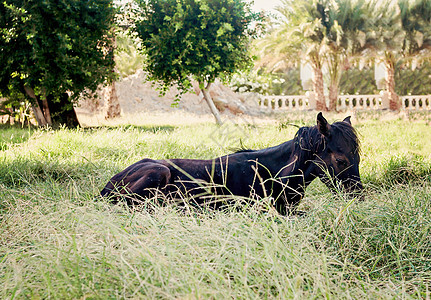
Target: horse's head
[(338, 156)]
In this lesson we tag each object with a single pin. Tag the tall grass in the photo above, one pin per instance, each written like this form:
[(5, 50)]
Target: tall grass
[(59, 240)]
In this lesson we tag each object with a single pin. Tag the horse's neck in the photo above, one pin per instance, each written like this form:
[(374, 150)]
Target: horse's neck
[(284, 161), (299, 165), (274, 159)]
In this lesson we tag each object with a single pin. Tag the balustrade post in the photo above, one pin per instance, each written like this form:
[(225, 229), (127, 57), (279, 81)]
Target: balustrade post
[(311, 99), (342, 103), (262, 102)]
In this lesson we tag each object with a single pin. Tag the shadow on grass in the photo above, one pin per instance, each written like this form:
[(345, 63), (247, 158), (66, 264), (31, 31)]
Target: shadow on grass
[(142, 128)]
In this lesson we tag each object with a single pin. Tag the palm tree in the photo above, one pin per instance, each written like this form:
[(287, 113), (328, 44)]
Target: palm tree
[(403, 36), (346, 38), (314, 55), (389, 40), (293, 41), (416, 22), (323, 33)]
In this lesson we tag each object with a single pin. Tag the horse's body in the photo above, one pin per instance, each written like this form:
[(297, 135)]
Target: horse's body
[(282, 172)]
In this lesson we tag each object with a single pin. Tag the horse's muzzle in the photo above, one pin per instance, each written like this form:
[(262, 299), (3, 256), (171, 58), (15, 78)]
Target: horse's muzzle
[(354, 189)]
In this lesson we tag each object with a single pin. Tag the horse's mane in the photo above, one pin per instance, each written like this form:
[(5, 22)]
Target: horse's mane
[(310, 140), (307, 140), (349, 134)]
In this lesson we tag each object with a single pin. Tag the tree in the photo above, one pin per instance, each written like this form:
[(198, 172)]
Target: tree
[(127, 57), (311, 33), (316, 30), (294, 40), (51, 51), (323, 33), (390, 38), (403, 37), (347, 37), (416, 23), (203, 40), (339, 28), (112, 102)]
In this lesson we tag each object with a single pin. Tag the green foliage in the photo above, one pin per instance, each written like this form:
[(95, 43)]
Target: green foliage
[(416, 22), (17, 110), (277, 83), (321, 33), (251, 81), (409, 82), (352, 81), (55, 46), (204, 39), (290, 83), (396, 32), (413, 82), (356, 81)]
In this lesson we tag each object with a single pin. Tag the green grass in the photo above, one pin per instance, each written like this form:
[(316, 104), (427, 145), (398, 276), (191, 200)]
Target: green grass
[(58, 240), (10, 135)]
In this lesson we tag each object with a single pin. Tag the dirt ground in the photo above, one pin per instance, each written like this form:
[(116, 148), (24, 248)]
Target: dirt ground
[(140, 102)]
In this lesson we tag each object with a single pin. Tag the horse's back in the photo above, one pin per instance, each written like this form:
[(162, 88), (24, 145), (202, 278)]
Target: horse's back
[(234, 173)]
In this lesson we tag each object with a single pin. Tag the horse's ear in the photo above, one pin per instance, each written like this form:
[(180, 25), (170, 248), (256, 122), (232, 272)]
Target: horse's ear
[(322, 125), (347, 120)]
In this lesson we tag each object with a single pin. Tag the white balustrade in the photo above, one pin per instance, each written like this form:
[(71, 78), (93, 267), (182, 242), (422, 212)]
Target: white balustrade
[(417, 102), (277, 103), (345, 102), (359, 102)]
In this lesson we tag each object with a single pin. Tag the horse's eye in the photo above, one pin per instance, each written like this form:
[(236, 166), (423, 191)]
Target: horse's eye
[(341, 162)]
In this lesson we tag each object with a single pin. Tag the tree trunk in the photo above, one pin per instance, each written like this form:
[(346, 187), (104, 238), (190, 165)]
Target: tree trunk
[(318, 87), (59, 112), (38, 114), (211, 104), (113, 104), (63, 112), (334, 68), (46, 111), (333, 96), (394, 102)]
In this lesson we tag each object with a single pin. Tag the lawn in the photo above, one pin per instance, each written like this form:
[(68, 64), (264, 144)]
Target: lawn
[(59, 240)]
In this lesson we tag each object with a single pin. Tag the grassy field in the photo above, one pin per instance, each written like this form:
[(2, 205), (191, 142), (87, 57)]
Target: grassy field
[(57, 240)]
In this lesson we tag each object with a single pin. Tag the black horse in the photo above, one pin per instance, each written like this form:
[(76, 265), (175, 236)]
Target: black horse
[(330, 152)]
